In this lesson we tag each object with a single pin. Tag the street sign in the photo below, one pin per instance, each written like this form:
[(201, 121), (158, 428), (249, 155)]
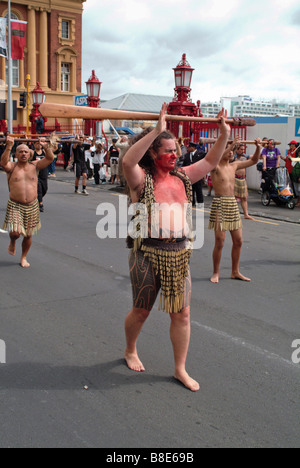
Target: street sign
[(297, 130), (81, 101)]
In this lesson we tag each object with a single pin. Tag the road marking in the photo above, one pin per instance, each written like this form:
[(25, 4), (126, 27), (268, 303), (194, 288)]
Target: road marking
[(266, 222), (245, 344)]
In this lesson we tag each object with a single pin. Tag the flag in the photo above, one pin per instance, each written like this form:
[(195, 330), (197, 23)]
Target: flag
[(18, 39), (3, 46)]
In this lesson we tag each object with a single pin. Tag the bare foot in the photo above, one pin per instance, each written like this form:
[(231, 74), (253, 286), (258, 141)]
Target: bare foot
[(239, 276), (187, 381), (249, 217), (133, 362), (24, 263), (215, 278), (12, 248)]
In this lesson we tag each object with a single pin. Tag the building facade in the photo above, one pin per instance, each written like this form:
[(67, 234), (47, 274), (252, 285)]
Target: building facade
[(245, 106), (53, 52)]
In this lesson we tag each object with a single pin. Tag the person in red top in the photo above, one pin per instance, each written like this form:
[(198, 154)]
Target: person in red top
[(291, 154)]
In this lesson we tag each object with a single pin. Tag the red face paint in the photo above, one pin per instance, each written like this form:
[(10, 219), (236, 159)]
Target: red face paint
[(167, 156)]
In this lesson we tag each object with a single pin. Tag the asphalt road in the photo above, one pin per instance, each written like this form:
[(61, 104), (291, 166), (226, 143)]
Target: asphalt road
[(62, 323)]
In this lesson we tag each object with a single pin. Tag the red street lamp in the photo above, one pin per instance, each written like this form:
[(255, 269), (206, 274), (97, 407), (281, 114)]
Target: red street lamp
[(38, 96), (183, 79), (93, 86), (182, 103)]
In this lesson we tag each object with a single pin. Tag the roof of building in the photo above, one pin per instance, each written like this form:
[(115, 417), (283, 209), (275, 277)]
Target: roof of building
[(137, 102)]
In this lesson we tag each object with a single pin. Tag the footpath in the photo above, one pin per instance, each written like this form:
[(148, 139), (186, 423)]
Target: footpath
[(255, 206)]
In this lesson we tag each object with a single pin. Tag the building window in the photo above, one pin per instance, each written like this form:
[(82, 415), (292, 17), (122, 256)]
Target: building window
[(15, 73), (65, 29), (65, 77)]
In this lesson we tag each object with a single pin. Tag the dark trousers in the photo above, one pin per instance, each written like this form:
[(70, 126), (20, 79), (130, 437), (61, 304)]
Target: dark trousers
[(42, 189), (197, 193), (96, 173)]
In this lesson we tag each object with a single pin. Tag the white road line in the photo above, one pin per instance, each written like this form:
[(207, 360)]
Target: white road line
[(249, 346)]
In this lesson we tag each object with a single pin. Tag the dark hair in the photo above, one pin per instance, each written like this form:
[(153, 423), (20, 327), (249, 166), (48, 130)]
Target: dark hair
[(147, 162)]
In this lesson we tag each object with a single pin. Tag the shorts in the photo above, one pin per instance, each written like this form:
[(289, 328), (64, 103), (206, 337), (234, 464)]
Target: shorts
[(114, 169), (146, 283), (225, 214), (23, 219), (80, 169)]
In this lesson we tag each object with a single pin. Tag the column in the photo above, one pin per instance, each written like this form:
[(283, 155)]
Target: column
[(31, 45), (43, 71)]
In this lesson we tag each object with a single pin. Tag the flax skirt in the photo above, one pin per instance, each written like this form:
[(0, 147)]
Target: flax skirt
[(23, 219), (240, 188), (225, 214)]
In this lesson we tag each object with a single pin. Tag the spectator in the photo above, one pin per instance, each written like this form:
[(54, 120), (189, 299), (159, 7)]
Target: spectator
[(292, 153), (184, 151), (37, 155), (271, 160), (39, 128), (113, 158), (80, 165), (193, 156), (122, 145), (98, 161), (296, 177)]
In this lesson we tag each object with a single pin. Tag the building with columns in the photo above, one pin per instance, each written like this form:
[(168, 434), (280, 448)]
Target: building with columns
[(53, 52)]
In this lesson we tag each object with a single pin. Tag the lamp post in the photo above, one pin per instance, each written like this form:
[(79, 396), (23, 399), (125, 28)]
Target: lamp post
[(93, 86), (38, 96), (182, 103)]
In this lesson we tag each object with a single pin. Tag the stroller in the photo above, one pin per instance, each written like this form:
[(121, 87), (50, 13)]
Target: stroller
[(277, 187)]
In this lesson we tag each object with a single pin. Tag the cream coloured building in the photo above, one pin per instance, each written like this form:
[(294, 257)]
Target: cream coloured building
[(53, 52)]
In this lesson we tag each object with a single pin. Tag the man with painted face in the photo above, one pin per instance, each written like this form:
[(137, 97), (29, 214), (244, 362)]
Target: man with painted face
[(160, 261), (23, 214)]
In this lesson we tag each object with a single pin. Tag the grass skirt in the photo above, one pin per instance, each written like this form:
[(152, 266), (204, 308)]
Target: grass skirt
[(225, 214), (240, 188), (23, 219)]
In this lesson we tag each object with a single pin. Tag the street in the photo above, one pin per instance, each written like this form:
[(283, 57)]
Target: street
[(65, 383)]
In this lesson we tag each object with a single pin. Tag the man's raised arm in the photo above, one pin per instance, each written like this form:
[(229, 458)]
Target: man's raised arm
[(199, 170), (253, 160), (4, 162), (49, 156), (133, 173)]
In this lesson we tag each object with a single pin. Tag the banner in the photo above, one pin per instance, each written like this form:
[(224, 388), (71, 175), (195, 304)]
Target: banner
[(3, 46), (18, 39)]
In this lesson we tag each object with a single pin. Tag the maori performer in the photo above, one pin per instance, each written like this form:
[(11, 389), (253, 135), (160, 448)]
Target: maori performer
[(225, 215), (23, 213), (161, 262), (241, 187)]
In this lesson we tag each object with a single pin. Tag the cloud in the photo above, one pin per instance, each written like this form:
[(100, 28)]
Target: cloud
[(235, 46)]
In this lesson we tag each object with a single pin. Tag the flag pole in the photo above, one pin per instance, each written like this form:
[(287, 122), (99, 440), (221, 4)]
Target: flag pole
[(9, 83)]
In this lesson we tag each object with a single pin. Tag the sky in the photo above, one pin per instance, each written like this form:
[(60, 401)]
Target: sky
[(237, 47)]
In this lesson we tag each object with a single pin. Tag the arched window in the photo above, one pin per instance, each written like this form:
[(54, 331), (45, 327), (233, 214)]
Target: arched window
[(15, 63)]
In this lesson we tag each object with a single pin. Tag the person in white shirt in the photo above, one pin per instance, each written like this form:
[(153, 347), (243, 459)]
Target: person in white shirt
[(98, 161)]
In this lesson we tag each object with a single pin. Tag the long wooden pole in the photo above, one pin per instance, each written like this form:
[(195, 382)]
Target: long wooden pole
[(242, 142), (75, 112)]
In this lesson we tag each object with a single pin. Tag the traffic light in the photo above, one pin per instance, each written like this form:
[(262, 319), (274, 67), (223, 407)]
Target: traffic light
[(23, 100)]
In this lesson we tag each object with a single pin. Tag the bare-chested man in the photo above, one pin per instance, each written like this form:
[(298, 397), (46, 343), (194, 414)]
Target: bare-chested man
[(162, 262), (240, 188), (23, 214), (225, 215)]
